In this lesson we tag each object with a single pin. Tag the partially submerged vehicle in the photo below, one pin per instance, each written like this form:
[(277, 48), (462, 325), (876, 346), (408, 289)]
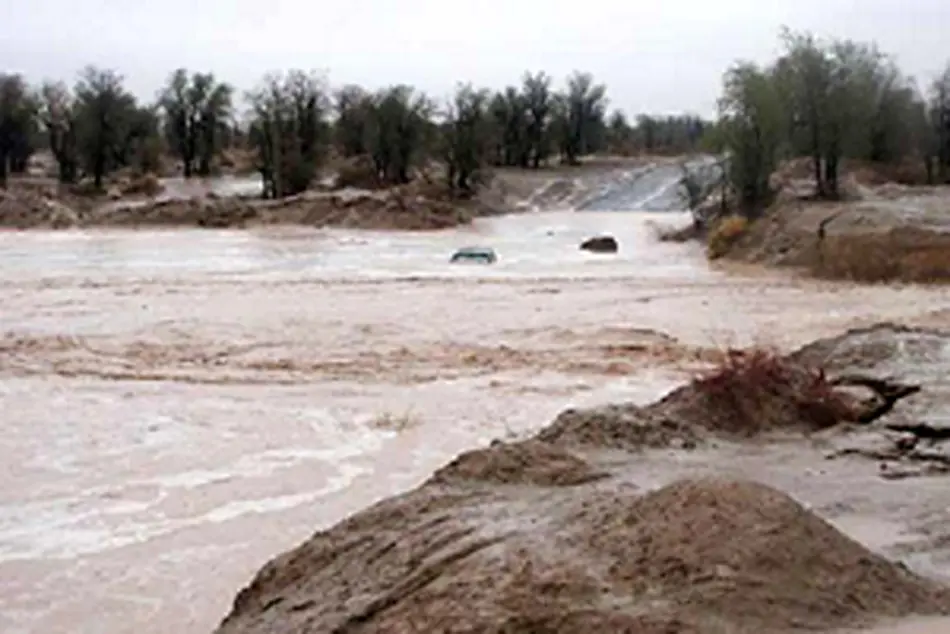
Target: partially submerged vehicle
[(482, 255)]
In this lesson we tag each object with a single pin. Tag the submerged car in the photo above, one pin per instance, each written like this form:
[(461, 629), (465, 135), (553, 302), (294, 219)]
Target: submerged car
[(483, 255)]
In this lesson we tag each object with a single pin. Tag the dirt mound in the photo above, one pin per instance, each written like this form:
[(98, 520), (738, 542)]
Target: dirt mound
[(748, 393), (392, 209), (25, 208), (892, 233), (529, 462), (624, 426), (696, 556), (751, 555), (759, 391)]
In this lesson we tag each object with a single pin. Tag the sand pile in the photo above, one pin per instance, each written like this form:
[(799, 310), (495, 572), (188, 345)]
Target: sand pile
[(528, 462), (696, 556), (549, 535)]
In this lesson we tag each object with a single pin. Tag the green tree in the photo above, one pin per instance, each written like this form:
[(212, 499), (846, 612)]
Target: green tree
[(18, 110), (620, 134), (354, 107), (509, 115), (467, 138), (751, 124), (289, 130), (939, 114), (104, 113), (143, 146), (579, 116), (58, 116), (399, 132), (197, 113), (539, 103)]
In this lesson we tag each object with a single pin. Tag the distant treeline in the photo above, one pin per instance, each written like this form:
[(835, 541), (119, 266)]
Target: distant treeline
[(297, 121), (829, 101)]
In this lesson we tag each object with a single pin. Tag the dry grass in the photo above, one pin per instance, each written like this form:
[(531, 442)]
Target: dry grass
[(389, 421), (725, 233), (749, 391), (907, 255)]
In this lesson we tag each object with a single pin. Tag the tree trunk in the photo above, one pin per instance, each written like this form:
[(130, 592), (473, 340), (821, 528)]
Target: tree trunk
[(831, 174), (3, 170), (99, 169), (819, 177)]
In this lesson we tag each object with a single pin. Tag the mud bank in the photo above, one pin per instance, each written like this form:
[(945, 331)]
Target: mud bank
[(418, 206), (580, 527), (402, 208), (891, 233)]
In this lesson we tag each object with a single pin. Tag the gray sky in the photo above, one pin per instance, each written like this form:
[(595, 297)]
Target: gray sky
[(654, 55)]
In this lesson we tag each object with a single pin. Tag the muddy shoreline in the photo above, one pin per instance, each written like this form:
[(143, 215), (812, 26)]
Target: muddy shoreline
[(575, 527), (880, 233), (421, 205)]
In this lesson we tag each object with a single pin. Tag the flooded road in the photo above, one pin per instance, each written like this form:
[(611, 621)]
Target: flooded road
[(181, 406)]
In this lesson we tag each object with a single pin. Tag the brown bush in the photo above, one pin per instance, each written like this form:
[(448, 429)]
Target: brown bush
[(725, 233), (749, 391)]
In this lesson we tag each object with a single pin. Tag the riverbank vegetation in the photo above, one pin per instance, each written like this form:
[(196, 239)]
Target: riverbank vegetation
[(295, 123), (829, 101)]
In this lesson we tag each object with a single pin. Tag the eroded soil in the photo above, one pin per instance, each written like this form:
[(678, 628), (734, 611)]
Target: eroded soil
[(677, 527), (181, 406)]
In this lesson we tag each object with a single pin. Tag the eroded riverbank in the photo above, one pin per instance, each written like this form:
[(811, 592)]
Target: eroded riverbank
[(181, 406)]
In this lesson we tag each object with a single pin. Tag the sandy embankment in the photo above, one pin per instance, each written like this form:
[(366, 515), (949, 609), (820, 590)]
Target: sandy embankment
[(592, 524), (881, 232), (420, 205)]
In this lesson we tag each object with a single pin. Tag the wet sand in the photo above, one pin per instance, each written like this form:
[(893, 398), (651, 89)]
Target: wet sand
[(180, 406)]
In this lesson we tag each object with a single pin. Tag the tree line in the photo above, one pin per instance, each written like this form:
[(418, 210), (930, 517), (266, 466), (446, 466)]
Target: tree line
[(296, 122), (829, 101)]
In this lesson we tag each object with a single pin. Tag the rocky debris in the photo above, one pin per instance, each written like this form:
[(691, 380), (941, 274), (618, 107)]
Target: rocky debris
[(440, 559), (600, 244)]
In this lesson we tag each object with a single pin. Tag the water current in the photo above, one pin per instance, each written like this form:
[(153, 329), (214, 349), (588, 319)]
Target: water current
[(180, 406)]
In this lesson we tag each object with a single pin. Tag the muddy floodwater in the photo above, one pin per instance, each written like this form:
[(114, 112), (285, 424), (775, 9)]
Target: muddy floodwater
[(180, 406)]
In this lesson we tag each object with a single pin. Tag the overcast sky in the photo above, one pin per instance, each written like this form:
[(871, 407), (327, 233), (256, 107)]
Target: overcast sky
[(654, 55)]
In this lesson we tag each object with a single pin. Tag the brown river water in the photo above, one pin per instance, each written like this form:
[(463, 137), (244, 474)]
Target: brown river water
[(180, 406)]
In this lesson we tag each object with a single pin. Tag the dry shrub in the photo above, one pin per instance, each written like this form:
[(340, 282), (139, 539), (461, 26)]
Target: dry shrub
[(725, 233), (753, 390), (908, 255)]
